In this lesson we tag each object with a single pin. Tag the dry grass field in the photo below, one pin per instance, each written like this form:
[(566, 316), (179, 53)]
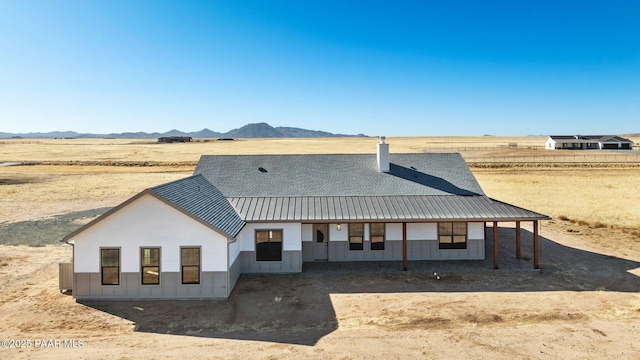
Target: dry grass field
[(148, 150), (80, 174), (584, 303)]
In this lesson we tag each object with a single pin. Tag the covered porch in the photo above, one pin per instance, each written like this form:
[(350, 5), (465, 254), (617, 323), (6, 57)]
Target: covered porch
[(493, 237), (509, 258)]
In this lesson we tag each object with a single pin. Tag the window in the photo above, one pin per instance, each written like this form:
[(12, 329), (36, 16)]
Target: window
[(320, 232), (150, 263), (356, 236), (268, 245), (377, 236), (452, 235), (110, 266), (190, 260)]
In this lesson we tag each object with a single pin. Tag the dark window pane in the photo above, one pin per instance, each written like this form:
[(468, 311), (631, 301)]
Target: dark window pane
[(269, 245), (445, 228), (321, 232), (377, 236), (356, 230), (110, 257), (452, 235), (190, 256), (356, 236), (110, 266), (150, 257), (275, 236), (262, 237), (377, 243), (377, 229), (459, 229), (355, 243), (191, 274), (110, 276), (150, 275)]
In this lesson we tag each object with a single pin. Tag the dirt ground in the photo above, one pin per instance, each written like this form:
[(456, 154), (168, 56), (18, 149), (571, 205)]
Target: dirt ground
[(583, 303)]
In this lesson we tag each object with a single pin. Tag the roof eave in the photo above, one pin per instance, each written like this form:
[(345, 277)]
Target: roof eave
[(69, 237)]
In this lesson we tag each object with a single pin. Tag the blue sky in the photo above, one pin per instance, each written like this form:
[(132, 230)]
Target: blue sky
[(395, 68)]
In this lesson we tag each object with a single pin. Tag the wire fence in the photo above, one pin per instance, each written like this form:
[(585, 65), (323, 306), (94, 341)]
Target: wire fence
[(481, 148), (572, 158)]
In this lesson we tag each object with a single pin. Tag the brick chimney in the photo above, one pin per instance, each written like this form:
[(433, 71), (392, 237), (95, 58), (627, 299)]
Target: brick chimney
[(383, 155)]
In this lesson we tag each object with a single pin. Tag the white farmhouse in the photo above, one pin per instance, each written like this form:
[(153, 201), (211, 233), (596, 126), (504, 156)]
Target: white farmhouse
[(587, 142), (192, 238)]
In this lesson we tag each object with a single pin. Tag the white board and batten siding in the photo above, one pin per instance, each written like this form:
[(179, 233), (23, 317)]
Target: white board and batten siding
[(475, 231), (291, 235), (429, 231), (291, 261), (149, 222), (234, 251), (422, 239), (334, 233), (393, 231)]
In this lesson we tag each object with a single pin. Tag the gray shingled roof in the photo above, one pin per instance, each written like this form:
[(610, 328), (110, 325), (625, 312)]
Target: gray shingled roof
[(371, 208), (330, 188), (338, 175), (199, 198), (350, 188)]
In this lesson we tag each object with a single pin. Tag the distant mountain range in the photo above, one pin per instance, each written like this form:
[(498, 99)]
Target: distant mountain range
[(259, 130)]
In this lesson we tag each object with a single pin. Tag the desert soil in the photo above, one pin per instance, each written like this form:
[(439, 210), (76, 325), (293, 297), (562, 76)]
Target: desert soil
[(583, 303)]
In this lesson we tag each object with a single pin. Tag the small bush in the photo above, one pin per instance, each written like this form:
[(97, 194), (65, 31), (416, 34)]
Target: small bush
[(563, 218)]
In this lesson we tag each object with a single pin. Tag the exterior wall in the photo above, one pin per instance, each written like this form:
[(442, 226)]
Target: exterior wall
[(339, 235), (291, 234), (307, 242), (234, 261), (213, 285), (291, 249), (291, 263), (148, 222), (582, 144), (550, 144), (234, 273), (422, 244)]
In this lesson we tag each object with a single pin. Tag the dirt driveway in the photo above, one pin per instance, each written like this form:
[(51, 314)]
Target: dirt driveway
[(581, 304)]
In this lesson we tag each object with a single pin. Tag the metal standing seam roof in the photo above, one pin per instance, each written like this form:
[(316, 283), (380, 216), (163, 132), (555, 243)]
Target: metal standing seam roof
[(378, 208), (201, 199)]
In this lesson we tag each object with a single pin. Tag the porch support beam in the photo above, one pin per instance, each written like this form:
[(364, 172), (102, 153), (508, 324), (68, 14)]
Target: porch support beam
[(518, 253), (495, 245), (404, 246), (536, 245)]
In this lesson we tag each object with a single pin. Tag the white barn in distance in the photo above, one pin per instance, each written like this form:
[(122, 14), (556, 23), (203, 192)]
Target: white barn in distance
[(192, 238)]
